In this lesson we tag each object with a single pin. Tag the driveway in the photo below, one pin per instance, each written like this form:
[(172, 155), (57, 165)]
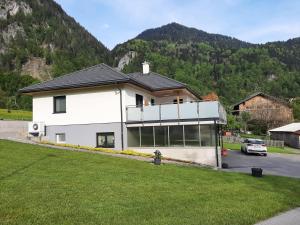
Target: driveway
[(275, 163)]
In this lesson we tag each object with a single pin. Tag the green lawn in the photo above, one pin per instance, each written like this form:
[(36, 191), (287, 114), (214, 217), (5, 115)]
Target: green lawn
[(15, 115), (40, 185), (287, 150)]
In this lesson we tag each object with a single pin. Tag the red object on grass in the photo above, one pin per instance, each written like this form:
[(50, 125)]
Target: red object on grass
[(224, 152)]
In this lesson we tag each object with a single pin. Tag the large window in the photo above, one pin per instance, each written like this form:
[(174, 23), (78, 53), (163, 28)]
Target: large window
[(171, 136), (161, 136), (133, 136), (106, 140), (59, 104), (191, 133), (176, 135), (207, 135), (147, 139)]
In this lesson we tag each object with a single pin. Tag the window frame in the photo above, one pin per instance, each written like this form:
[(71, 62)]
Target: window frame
[(56, 138), (105, 134), (152, 101), (54, 104), (180, 101)]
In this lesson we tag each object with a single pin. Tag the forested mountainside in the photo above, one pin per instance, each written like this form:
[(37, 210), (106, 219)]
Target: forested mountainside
[(175, 32), (39, 41), (231, 68)]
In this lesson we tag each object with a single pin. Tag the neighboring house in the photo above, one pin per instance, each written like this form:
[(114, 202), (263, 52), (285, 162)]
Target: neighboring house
[(290, 134), (263, 107), (101, 107)]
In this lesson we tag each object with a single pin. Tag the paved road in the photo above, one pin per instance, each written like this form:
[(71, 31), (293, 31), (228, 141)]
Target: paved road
[(291, 217), (274, 163)]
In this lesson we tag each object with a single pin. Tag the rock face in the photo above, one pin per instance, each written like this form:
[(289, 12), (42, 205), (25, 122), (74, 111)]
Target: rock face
[(126, 59), (37, 68), (11, 8), (11, 32)]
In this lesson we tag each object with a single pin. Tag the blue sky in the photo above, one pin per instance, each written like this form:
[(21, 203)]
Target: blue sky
[(256, 21)]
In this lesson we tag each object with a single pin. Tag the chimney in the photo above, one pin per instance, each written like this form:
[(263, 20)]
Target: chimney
[(146, 67)]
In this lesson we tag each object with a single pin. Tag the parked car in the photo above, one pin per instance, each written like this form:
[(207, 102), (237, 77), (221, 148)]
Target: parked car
[(255, 146)]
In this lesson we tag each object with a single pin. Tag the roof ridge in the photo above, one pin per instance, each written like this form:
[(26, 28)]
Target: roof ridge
[(163, 76), (261, 93), (78, 71), (169, 78), (68, 74), (121, 73)]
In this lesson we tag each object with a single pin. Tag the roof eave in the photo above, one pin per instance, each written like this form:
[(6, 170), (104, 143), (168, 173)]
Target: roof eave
[(29, 91)]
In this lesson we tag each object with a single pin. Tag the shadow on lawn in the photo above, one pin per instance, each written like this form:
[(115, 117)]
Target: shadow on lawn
[(26, 166)]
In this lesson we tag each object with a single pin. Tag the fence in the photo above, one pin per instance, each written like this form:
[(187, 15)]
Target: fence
[(234, 139)]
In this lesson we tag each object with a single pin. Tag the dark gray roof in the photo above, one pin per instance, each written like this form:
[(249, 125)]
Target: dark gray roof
[(156, 81), (96, 75), (101, 75)]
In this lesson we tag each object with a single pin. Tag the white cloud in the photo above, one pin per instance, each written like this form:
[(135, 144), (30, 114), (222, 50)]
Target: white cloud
[(105, 26)]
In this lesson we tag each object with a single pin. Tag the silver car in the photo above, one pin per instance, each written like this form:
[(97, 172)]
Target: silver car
[(255, 146)]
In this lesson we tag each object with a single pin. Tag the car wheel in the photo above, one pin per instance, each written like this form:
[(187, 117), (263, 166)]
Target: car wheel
[(265, 155)]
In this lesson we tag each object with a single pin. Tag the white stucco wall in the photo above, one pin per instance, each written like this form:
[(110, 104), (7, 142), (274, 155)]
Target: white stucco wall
[(82, 107), (201, 155), (130, 92), (92, 105)]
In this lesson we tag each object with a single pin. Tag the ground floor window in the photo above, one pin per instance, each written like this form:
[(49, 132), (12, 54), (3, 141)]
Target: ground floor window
[(60, 137), (171, 136), (176, 135), (147, 139), (106, 140), (192, 135), (161, 136)]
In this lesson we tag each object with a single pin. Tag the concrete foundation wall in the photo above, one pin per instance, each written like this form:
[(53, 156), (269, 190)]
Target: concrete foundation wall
[(202, 155), (13, 129), (85, 134)]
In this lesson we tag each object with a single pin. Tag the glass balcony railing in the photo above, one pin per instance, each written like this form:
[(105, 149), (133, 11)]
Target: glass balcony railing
[(206, 110)]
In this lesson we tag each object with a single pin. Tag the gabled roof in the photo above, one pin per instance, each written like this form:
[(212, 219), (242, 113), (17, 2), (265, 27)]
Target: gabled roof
[(264, 95), (103, 74), (96, 75), (292, 127), (155, 81)]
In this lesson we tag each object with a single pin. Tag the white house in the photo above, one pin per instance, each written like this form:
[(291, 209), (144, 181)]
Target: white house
[(101, 107)]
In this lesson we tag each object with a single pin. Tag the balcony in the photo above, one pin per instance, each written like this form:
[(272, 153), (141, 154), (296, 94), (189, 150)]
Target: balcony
[(190, 111)]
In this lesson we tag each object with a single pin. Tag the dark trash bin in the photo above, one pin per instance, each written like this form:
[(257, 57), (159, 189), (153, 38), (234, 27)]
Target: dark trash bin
[(257, 172), (225, 166)]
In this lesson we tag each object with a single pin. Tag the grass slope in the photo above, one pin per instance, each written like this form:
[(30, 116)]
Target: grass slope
[(15, 115), (39, 185)]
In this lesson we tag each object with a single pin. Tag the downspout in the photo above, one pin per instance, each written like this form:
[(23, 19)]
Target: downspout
[(216, 142), (121, 109)]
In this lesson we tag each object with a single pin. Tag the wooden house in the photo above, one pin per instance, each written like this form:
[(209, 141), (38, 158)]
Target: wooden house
[(266, 108)]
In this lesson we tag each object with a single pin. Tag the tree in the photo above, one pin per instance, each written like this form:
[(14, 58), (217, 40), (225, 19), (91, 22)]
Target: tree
[(245, 118), (232, 123)]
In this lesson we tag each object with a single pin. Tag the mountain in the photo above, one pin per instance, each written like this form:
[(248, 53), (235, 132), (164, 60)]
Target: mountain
[(211, 62), (39, 39), (175, 32)]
